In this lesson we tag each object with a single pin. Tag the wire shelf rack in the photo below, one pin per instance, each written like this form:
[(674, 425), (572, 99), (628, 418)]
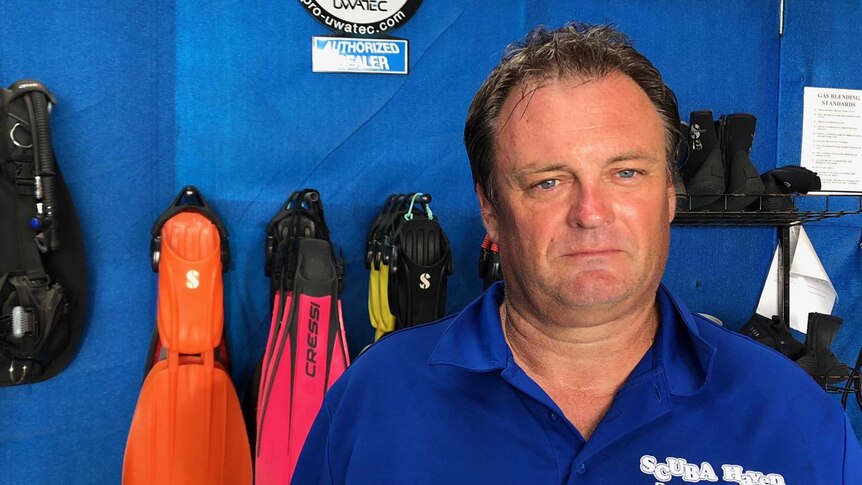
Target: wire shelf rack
[(781, 211), (766, 210), (851, 387)]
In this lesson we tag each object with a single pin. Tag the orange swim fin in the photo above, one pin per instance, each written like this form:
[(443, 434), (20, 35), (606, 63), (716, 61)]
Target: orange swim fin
[(188, 426)]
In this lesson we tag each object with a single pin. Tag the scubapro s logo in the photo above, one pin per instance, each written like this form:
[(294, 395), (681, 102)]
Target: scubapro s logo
[(193, 279), (425, 281), (362, 17)]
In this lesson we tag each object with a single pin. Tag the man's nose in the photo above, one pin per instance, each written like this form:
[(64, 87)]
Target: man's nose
[(591, 206)]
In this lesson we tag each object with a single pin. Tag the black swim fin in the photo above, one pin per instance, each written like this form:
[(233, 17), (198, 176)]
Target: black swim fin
[(420, 261)]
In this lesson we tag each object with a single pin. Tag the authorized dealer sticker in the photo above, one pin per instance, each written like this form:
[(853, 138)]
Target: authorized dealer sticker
[(356, 21), (338, 54)]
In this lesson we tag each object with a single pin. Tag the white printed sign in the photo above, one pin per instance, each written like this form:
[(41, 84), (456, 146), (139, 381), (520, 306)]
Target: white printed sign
[(832, 137)]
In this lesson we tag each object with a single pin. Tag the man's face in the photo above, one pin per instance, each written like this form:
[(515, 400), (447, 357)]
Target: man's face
[(584, 201)]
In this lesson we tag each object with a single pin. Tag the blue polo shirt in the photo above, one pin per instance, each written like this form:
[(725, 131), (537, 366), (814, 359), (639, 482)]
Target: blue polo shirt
[(445, 403)]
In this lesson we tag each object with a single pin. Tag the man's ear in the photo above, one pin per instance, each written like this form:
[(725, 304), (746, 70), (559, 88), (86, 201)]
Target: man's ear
[(671, 202), (489, 214)]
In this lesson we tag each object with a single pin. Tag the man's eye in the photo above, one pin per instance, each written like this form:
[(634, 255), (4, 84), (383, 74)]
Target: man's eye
[(626, 174), (547, 184)]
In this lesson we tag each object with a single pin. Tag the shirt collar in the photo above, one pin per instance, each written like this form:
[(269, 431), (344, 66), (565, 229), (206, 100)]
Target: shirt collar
[(474, 341)]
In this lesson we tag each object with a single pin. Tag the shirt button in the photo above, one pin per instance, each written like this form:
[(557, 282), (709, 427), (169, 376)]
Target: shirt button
[(554, 416), (582, 468)]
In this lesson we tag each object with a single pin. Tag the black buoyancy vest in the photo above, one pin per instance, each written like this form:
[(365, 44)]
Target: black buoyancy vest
[(43, 278)]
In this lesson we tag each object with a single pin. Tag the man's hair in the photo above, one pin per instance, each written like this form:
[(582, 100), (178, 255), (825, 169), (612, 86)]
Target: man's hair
[(575, 50)]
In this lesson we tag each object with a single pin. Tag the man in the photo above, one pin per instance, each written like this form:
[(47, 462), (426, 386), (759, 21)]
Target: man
[(582, 368)]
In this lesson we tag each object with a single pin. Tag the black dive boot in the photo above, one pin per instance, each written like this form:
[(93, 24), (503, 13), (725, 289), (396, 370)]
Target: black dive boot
[(773, 333), (703, 171), (736, 135), (781, 182), (775, 198), (818, 360)]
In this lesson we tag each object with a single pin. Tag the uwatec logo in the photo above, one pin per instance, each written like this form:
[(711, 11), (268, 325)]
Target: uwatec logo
[(362, 17)]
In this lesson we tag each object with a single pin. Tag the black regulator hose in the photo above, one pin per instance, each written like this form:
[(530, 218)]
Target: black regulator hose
[(43, 157)]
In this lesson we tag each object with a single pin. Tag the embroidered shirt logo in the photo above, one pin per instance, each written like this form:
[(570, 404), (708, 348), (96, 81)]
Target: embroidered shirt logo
[(666, 471)]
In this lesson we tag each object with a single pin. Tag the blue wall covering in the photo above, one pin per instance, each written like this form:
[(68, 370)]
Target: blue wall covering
[(156, 95)]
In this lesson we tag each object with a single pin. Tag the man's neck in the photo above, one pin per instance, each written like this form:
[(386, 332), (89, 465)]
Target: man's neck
[(580, 367)]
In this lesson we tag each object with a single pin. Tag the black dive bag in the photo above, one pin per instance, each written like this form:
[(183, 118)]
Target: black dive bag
[(42, 269)]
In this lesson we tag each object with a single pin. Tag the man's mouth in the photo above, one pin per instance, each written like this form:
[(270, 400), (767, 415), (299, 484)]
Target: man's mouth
[(592, 252)]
